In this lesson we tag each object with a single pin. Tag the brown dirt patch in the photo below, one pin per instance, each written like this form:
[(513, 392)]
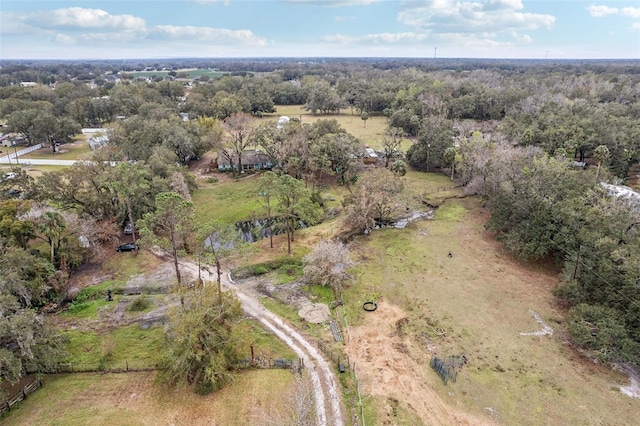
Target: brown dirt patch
[(385, 370), (315, 313)]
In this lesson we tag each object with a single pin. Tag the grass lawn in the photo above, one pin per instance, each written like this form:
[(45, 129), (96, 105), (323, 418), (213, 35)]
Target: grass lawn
[(229, 201), (37, 171), (137, 399), (69, 151), (126, 346), (475, 303)]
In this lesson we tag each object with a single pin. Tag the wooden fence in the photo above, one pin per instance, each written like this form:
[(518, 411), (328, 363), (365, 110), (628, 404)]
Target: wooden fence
[(20, 394)]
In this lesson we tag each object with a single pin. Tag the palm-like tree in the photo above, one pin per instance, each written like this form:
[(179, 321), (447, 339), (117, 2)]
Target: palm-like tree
[(601, 153), (51, 225)]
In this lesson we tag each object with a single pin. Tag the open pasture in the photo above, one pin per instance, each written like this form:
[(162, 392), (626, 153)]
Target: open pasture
[(483, 304), (137, 399), (370, 133)]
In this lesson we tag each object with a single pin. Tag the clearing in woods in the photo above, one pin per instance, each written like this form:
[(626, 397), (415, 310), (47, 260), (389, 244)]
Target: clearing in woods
[(480, 303)]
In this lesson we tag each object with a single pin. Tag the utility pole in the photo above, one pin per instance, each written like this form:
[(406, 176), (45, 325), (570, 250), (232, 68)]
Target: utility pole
[(15, 150)]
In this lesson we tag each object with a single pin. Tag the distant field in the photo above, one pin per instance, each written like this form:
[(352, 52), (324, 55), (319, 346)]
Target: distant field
[(371, 133), (136, 399), (190, 73)]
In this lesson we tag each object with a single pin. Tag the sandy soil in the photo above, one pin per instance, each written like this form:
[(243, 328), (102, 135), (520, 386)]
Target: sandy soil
[(385, 369)]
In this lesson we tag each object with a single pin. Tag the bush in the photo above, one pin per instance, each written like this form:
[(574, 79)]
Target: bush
[(266, 267), (89, 293), (75, 307), (211, 180), (140, 303)]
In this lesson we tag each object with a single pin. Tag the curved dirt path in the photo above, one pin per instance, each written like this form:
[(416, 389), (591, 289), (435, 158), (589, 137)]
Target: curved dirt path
[(326, 390)]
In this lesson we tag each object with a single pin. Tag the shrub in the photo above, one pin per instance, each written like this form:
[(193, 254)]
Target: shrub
[(266, 267), (89, 293), (75, 307), (140, 303)]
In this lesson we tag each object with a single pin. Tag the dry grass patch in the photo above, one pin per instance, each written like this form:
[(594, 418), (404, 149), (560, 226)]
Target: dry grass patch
[(371, 134), (476, 303), (136, 399)]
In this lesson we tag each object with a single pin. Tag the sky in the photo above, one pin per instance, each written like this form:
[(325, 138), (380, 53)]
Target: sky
[(128, 29)]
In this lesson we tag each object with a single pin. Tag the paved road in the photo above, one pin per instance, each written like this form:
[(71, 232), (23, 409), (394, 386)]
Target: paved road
[(29, 162)]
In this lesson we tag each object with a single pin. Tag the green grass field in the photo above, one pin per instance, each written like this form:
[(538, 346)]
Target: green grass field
[(478, 303), (371, 133), (70, 151), (230, 201)]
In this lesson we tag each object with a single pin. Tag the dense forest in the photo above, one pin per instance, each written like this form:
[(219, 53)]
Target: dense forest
[(541, 142)]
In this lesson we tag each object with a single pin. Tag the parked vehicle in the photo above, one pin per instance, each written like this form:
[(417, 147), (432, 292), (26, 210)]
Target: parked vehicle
[(128, 247), (128, 228)]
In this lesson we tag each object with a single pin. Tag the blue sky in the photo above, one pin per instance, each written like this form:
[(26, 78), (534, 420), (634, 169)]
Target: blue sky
[(118, 29)]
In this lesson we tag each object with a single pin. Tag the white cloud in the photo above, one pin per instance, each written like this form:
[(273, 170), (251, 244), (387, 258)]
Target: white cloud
[(633, 12), (635, 26), (76, 25), (382, 38), (600, 11), (12, 23), (79, 18), (64, 39), (451, 16), (206, 35)]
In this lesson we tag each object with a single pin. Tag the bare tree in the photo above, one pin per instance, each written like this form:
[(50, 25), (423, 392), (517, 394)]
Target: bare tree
[(391, 143), (240, 128), (375, 199), (328, 265)]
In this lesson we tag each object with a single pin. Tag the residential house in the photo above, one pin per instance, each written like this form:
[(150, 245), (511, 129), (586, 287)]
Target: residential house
[(252, 159)]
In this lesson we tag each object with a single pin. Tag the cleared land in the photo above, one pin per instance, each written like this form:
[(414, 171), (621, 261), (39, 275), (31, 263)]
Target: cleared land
[(475, 303), (371, 133), (136, 399)]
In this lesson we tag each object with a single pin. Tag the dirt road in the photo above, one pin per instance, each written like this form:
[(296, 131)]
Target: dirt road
[(327, 393)]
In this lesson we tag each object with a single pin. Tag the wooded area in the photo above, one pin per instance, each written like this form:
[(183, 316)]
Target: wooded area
[(534, 139)]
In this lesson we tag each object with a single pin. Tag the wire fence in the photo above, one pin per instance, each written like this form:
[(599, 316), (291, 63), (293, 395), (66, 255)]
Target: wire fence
[(105, 367), (336, 356), (295, 365), (344, 363), (447, 368)]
